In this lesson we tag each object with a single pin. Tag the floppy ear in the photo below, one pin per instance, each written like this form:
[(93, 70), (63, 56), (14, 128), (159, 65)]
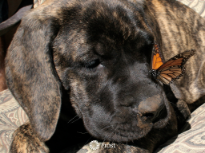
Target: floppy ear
[(31, 75)]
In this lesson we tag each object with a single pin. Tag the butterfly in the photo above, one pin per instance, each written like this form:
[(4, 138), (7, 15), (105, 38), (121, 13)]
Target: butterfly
[(170, 70)]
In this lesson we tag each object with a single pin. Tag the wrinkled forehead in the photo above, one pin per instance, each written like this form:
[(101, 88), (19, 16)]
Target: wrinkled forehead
[(82, 46), (114, 18), (102, 25)]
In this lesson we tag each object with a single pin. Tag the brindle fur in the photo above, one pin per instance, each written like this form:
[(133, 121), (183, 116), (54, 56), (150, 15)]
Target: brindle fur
[(97, 53), (23, 141)]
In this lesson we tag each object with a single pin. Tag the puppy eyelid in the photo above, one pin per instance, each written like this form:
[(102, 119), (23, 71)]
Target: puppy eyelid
[(92, 64)]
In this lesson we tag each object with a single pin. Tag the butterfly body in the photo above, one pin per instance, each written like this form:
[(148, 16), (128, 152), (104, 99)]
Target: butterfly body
[(154, 73), (166, 72)]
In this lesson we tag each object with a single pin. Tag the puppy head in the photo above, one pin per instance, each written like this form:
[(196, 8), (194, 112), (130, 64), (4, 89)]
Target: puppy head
[(100, 52)]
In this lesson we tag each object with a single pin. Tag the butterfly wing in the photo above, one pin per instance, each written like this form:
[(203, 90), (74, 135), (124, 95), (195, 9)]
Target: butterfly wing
[(174, 67), (170, 74), (157, 59)]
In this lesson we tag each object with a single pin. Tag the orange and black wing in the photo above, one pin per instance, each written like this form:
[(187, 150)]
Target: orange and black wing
[(174, 67), (157, 59)]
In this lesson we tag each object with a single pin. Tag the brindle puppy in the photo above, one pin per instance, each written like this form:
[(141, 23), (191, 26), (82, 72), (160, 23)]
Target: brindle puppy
[(97, 53)]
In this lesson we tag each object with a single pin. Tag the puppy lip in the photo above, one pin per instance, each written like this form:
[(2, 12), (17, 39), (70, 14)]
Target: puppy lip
[(120, 132), (122, 135), (126, 132)]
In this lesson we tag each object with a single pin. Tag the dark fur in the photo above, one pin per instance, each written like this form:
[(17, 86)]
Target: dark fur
[(98, 52)]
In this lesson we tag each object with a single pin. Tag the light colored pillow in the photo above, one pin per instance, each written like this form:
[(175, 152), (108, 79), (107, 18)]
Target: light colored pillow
[(193, 139), (197, 5)]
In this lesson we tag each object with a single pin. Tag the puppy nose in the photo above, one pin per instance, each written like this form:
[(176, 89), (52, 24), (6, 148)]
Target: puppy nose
[(151, 108)]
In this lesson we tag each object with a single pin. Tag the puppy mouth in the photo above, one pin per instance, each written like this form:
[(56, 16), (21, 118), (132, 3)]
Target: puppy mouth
[(130, 126), (127, 132), (123, 134)]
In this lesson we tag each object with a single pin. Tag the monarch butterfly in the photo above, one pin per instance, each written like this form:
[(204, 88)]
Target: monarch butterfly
[(170, 70)]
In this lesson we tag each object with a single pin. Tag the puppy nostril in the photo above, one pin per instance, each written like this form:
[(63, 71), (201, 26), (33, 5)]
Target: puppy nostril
[(151, 107), (148, 116), (154, 116)]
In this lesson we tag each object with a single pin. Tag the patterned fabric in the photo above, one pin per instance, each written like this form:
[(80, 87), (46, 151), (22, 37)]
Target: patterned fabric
[(193, 139), (190, 141), (11, 117), (37, 3)]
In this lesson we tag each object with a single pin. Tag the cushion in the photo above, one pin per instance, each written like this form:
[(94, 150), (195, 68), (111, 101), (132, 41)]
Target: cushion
[(192, 140)]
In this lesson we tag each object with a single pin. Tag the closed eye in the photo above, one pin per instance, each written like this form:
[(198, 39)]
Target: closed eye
[(92, 64)]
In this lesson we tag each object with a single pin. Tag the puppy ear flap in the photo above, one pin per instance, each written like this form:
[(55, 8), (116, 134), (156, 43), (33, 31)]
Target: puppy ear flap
[(31, 75)]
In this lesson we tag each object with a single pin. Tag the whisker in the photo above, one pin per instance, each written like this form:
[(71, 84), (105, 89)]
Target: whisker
[(82, 132), (106, 127), (88, 141), (76, 120), (72, 119)]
